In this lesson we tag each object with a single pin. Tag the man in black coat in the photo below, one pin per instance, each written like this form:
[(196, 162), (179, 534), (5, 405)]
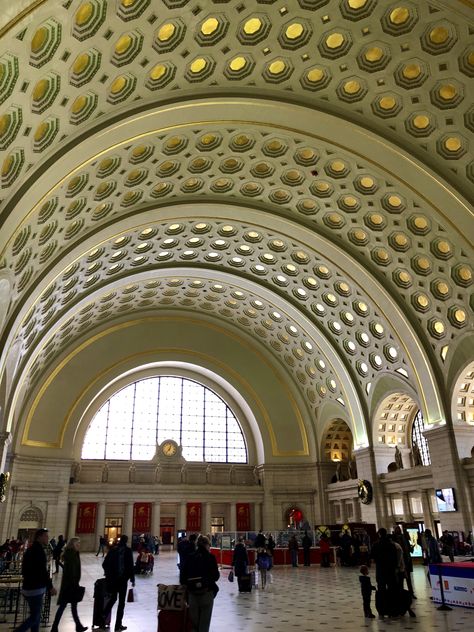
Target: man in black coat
[(36, 580), (199, 573), (118, 568), (384, 553)]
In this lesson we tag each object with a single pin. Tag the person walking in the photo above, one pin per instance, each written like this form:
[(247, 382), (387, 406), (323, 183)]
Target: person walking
[(70, 591), (432, 551), (307, 543), (325, 549), (447, 542), (240, 561), (293, 549), (58, 549), (102, 543), (199, 573), (403, 539), (263, 562), (119, 570), (36, 580)]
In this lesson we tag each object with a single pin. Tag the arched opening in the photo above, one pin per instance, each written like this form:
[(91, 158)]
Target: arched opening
[(464, 396), (294, 518), (419, 445), (143, 414), (31, 519), (399, 424)]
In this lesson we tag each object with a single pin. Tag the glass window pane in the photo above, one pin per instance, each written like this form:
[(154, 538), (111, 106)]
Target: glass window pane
[(136, 418)]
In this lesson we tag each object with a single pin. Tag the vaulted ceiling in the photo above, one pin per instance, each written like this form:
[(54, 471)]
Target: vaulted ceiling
[(299, 172)]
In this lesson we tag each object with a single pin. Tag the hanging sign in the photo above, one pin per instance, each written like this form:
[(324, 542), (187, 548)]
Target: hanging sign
[(141, 518), (243, 516), (193, 517), (86, 517)]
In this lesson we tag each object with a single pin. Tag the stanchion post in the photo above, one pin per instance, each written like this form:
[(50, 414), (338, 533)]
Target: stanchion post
[(443, 605)]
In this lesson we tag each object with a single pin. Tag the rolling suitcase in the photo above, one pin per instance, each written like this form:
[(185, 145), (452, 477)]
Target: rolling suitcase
[(245, 583), (174, 621), (100, 596)]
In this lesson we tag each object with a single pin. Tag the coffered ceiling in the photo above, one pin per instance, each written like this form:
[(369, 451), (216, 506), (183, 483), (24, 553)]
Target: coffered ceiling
[(299, 170)]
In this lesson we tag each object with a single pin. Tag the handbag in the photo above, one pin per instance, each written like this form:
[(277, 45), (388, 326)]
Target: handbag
[(79, 593), (231, 576), (130, 596)]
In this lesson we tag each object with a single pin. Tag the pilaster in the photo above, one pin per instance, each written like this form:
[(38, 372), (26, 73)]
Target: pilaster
[(445, 443)]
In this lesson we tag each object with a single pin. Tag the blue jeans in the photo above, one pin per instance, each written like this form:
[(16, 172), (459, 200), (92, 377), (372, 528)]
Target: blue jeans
[(33, 622)]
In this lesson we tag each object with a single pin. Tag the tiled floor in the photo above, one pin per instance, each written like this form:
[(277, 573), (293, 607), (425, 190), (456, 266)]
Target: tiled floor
[(300, 600)]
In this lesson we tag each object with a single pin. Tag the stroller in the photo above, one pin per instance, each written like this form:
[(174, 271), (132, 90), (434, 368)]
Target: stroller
[(144, 564)]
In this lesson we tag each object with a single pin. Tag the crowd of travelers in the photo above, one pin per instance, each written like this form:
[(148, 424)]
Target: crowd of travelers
[(198, 569)]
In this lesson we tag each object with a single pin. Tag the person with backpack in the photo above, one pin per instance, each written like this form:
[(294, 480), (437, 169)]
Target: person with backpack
[(119, 570), (199, 573), (264, 563)]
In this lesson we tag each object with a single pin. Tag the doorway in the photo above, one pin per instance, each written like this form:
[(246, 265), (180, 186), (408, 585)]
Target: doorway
[(112, 530)]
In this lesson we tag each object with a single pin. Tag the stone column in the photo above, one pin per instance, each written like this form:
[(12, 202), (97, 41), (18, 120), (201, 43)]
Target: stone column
[(427, 513), (447, 444), (233, 517), (407, 515), (182, 515), (259, 517), (367, 467), (100, 523), (5, 441), (71, 526), (128, 522), (342, 505), (357, 510), (206, 519), (156, 519), (325, 472)]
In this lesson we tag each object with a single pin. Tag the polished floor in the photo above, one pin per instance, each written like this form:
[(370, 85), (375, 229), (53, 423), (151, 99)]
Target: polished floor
[(299, 600)]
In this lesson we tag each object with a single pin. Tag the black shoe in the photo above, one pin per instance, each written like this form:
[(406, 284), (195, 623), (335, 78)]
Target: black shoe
[(83, 628), (411, 613), (414, 596), (120, 628), (370, 616)]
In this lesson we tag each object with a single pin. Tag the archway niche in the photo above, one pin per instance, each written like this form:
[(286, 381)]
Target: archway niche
[(394, 433), (463, 411), (31, 519), (338, 444), (463, 396)]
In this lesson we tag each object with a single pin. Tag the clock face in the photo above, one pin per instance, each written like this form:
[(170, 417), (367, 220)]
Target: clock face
[(169, 448)]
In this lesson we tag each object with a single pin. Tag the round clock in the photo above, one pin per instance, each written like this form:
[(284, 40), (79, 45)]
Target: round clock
[(169, 448), (364, 491)]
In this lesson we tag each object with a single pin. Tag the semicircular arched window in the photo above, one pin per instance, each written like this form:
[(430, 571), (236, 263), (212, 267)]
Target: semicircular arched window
[(143, 414), (418, 437)]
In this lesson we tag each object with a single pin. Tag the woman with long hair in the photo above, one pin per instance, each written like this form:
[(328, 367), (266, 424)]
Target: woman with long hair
[(70, 591)]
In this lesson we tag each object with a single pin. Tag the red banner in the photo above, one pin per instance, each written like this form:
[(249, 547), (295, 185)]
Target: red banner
[(141, 518), (86, 517), (193, 517), (243, 516)]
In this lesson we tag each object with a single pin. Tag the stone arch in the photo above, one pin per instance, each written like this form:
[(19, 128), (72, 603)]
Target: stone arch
[(463, 396), (392, 420), (337, 442), (233, 398), (30, 517)]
